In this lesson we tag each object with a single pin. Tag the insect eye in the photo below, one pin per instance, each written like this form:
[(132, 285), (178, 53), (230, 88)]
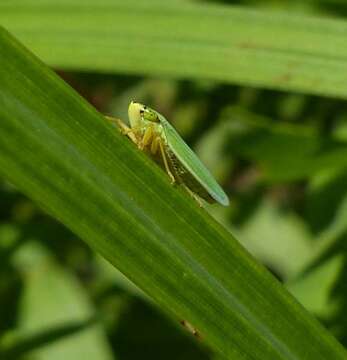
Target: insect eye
[(149, 114)]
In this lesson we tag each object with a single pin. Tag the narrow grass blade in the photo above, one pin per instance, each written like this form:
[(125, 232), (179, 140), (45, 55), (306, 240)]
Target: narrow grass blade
[(185, 40)]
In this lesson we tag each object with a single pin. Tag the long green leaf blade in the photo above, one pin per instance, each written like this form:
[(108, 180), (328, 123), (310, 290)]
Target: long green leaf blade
[(59, 151), (185, 40)]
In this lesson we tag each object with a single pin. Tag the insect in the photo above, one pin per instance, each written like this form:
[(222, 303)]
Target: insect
[(152, 133)]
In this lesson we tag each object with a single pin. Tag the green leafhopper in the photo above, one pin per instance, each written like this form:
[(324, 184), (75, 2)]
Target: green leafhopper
[(152, 133)]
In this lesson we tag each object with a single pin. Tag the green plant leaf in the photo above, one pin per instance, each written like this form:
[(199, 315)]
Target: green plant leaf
[(59, 151), (185, 40), (61, 312)]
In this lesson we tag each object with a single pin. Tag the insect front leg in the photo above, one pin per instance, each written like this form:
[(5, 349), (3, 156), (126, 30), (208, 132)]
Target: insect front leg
[(124, 129)]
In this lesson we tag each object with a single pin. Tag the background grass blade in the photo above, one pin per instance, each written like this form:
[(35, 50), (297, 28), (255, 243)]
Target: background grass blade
[(181, 39), (59, 151)]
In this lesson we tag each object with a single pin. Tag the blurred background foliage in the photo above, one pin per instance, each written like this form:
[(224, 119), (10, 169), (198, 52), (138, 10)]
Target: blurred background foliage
[(281, 157)]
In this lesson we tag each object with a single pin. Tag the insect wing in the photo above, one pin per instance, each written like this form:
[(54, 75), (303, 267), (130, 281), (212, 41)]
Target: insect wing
[(192, 163)]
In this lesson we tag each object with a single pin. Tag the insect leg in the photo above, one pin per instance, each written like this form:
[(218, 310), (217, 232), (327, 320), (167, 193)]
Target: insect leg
[(193, 195), (155, 145), (147, 137), (125, 130), (167, 168)]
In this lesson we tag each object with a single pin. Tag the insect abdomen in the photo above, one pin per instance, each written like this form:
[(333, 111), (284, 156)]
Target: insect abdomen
[(184, 177)]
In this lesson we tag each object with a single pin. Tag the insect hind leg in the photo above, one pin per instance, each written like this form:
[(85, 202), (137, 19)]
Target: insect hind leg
[(165, 160), (193, 195)]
